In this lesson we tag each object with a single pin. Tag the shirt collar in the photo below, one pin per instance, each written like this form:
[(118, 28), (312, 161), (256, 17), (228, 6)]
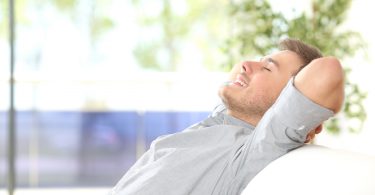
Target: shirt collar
[(230, 120)]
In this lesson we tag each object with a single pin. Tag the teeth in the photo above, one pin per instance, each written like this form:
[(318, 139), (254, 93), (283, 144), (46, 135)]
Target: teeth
[(241, 83)]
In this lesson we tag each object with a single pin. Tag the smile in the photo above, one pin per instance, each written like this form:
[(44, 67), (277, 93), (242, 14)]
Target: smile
[(240, 81)]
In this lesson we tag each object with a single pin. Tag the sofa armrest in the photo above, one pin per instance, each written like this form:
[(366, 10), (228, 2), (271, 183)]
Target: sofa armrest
[(314, 169)]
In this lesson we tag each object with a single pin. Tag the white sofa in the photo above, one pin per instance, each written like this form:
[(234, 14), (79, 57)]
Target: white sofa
[(316, 170)]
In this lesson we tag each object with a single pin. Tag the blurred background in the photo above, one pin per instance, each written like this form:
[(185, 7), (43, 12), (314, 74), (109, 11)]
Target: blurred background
[(97, 80)]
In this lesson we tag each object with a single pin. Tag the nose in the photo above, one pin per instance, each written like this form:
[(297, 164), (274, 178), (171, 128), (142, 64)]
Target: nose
[(250, 67)]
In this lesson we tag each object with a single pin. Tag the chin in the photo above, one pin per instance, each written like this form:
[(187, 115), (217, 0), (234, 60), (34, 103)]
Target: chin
[(221, 94)]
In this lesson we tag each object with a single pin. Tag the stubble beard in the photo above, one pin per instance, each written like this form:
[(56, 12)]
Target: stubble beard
[(250, 109)]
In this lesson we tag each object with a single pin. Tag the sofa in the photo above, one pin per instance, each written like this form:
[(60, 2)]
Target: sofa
[(313, 170)]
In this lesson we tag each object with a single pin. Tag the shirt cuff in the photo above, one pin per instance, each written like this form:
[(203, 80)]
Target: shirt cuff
[(297, 111)]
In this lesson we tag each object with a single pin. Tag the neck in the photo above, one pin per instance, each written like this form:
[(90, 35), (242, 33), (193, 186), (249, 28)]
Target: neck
[(251, 119)]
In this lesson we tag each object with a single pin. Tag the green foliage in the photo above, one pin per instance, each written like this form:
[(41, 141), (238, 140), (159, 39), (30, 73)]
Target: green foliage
[(65, 5), (167, 23), (145, 54), (170, 30), (100, 25), (3, 17), (21, 16), (257, 29)]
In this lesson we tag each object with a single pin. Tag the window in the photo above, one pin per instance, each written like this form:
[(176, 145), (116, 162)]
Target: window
[(90, 96)]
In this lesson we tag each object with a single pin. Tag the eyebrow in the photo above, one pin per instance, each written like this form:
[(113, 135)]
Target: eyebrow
[(274, 62)]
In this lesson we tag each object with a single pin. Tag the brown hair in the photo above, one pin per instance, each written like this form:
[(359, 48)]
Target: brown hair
[(306, 52)]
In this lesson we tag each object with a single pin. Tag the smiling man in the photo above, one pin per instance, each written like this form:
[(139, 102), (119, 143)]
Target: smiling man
[(270, 107)]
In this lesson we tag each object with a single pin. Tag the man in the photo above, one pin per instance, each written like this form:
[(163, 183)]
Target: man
[(271, 107)]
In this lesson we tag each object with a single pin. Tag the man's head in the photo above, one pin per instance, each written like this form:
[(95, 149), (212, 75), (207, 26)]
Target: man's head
[(307, 53), (256, 84)]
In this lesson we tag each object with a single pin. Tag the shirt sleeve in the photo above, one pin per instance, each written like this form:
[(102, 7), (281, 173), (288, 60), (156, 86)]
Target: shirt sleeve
[(283, 128), (293, 115), (286, 124)]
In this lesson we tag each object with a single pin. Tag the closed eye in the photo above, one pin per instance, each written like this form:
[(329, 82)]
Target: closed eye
[(266, 68)]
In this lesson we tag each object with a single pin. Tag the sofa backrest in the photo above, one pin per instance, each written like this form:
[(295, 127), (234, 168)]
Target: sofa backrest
[(314, 170)]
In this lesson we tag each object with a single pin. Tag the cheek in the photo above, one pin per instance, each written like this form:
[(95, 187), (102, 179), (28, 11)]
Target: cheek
[(266, 89), (262, 85)]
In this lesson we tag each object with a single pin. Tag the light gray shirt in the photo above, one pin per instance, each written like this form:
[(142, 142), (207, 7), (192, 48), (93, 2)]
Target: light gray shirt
[(221, 154)]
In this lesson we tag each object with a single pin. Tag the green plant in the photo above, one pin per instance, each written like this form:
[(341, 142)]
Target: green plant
[(174, 27), (257, 29)]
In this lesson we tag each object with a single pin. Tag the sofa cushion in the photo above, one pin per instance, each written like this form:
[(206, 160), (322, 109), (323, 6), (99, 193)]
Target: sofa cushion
[(314, 169)]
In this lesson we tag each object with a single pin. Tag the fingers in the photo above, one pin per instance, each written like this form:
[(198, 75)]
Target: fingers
[(319, 129), (310, 136), (309, 139)]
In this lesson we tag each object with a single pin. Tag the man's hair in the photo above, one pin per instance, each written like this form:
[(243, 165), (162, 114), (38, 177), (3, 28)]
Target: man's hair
[(306, 52)]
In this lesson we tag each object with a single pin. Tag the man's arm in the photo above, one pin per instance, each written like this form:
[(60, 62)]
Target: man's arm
[(322, 81)]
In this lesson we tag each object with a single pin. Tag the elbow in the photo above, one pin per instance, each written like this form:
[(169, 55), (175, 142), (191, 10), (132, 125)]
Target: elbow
[(331, 72), (333, 80), (323, 82), (331, 69)]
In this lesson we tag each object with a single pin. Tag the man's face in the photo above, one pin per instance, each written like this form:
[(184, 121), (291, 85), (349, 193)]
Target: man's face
[(256, 84)]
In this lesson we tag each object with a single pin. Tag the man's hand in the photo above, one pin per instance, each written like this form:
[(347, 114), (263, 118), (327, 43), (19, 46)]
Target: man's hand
[(313, 132)]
